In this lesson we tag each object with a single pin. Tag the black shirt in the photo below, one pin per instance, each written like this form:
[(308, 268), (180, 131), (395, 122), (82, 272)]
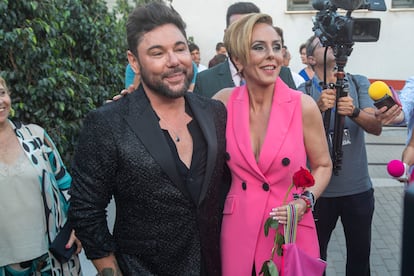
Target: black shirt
[(193, 177)]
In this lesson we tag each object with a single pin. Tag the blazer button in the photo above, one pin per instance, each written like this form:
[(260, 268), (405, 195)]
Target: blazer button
[(244, 186), (227, 156), (265, 187), (285, 161)]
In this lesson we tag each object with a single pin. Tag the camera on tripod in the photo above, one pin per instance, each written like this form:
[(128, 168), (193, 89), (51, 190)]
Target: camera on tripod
[(339, 33), (334, 29)]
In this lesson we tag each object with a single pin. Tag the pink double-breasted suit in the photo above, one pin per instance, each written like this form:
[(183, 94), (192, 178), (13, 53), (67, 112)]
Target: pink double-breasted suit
[(257, 187)]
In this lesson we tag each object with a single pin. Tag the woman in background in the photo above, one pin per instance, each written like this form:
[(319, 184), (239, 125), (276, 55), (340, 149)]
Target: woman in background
[(307, 72), (33, 198)]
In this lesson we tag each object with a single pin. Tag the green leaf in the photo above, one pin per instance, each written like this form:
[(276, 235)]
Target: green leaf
[(270, 223), (269, 269), (61, 106), (265, 269), (272, 268), (280, 240)]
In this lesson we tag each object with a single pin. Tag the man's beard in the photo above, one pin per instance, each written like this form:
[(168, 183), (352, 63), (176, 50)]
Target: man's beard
[(158, 87)]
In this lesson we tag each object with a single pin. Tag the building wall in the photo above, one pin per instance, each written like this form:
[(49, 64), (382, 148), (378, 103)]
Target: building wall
[(390, 58)]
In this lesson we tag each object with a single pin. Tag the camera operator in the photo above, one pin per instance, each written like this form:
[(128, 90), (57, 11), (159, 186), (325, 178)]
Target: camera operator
[(350, 194)]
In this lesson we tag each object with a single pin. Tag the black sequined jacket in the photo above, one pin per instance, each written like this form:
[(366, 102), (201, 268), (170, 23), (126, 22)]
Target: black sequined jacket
[(123, 152)]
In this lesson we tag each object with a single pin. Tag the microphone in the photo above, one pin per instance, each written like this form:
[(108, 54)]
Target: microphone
[(383, 95), (399, 170)]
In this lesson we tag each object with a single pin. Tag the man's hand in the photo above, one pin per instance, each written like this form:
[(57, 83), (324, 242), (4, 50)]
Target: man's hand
[(393, 115), (108, 272), (107, 266), (345, 106), (327, 99)]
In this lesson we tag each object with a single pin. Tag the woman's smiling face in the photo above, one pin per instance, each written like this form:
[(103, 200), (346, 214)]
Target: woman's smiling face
[(5, 103), (266, 56)]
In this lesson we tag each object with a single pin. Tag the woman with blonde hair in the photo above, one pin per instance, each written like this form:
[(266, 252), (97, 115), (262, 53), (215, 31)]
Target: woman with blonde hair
[(33, 199), (271, 132)]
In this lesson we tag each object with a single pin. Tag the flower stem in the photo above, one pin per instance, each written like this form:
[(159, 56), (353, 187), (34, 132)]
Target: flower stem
[(287, 193), (274, 246)]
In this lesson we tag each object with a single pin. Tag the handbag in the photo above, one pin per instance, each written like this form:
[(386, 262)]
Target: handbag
[(296, 262), (58, 246)]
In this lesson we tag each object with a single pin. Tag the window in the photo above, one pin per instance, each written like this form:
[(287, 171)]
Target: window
[(399, 4), (300, 5)]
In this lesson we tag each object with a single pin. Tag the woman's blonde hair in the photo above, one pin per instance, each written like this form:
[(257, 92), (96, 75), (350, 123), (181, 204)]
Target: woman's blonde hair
[(238, 36), (3, 83)]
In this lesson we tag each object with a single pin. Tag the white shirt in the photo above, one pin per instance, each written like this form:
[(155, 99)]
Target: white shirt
[(234, 73), (201, 68), (22, 215), (298, 79)]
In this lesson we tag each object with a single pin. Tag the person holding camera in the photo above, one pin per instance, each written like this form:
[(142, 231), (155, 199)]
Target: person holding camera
[(350, 194)]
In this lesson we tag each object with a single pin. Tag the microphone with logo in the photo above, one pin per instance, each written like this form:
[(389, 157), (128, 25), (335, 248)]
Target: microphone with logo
[(398, 170), (383, 95)]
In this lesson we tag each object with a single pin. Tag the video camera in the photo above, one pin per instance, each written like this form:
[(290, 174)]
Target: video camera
[(333, 29), (339, 33)]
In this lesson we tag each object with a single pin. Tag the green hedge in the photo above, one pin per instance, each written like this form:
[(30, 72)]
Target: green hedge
[(61, 59)]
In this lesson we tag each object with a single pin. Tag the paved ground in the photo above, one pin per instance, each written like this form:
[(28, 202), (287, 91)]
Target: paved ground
[(386, 236), (387, 222)]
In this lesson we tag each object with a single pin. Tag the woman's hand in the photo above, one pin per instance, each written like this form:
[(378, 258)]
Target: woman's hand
[(124, 92), (74, 239), (280, 213)]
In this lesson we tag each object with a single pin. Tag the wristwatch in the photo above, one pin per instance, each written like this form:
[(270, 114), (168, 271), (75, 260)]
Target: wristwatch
[(355, 113)]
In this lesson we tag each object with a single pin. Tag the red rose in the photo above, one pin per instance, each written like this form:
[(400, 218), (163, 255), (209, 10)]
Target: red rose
[(303, 178)]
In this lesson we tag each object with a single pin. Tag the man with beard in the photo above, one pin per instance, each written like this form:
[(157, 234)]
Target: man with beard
[(160, 152)]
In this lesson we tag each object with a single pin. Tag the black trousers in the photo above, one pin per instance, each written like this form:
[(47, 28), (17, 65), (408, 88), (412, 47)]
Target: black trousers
[(356, 213)]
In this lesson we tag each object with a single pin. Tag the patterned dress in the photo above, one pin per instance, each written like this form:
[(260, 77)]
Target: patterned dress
[(54, 182)]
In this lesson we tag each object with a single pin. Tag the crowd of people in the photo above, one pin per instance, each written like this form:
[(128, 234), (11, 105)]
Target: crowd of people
[(197, 159)]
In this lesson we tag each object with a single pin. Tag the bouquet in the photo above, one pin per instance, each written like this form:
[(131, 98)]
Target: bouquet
[(301, 180)]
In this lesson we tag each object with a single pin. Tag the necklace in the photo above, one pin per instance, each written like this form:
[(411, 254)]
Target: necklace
[(170, 129)]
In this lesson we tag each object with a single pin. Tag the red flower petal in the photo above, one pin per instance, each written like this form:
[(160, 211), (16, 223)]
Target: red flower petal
[(303, 178)]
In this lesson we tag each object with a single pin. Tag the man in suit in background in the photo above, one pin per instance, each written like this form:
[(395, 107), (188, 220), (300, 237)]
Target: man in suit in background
[(161, 153), (225, 74)]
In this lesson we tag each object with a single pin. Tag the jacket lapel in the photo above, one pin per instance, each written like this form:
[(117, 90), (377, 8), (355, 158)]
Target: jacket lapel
[(205, 120), (241, 130), (282, 112), (280, 119), (144, 123)]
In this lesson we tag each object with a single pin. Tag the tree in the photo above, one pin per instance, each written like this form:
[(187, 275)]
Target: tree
[(61, 59)]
